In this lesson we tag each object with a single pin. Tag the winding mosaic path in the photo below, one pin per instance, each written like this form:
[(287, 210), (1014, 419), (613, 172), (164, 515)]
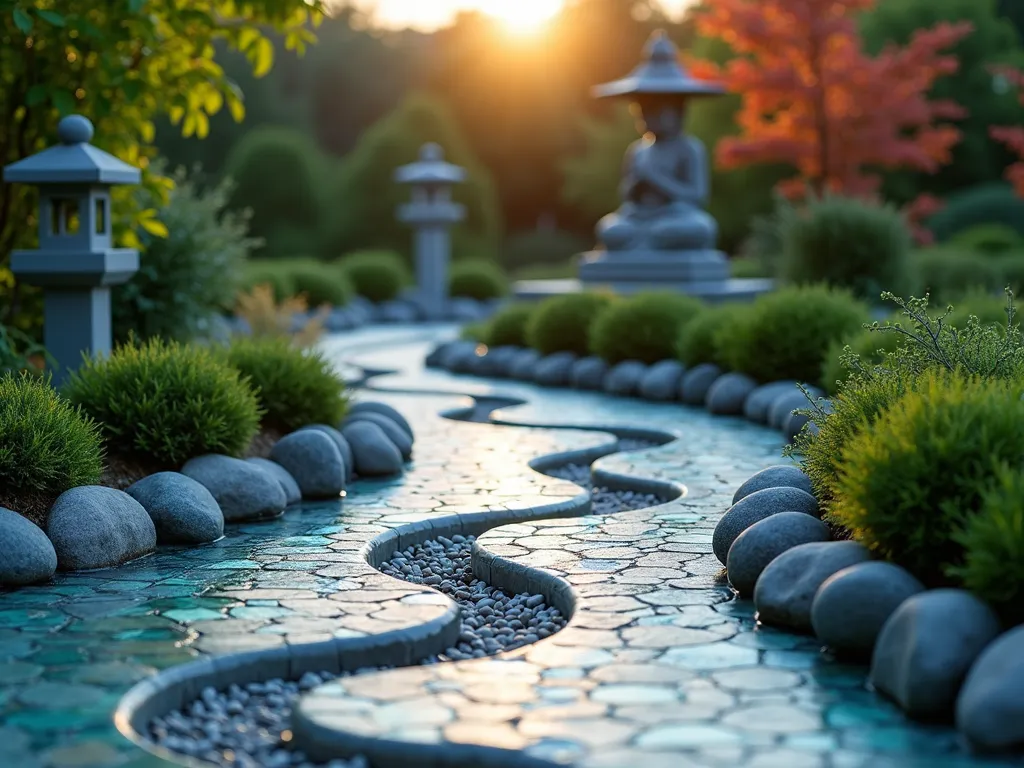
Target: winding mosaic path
[(656, 667)]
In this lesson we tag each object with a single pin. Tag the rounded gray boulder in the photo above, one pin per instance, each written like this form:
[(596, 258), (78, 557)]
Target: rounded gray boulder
[(452, 353), (783, 406), (787, 587), (523, 364), (695, 383), (554, 370), (990, 707), (728, 393), (373, 406), (312, 458), (374, 453), (624, 379), (661, 381), (926, 648), (183, 511), (853, 604), (244, 491), (26, 555), (498, 361), (588, 373), (778, 476), (96, 527), (754, 508), (292, 492), (757, 404), (394, 432), (340, 443), (765, 540)]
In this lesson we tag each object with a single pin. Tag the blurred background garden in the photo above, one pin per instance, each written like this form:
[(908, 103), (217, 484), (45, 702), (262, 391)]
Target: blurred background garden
[(269, 131)]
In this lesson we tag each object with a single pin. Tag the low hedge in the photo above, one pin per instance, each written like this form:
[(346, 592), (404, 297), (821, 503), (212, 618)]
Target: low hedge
[(563, 323), (375, 275), (644, 327), (477, 279)]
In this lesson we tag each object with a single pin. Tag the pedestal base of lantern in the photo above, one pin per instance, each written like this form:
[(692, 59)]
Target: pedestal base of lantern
[(77, 322)]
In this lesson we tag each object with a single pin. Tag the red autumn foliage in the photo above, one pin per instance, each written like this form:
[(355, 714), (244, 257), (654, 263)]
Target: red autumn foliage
[(1012, 136), (917, 211), (813, 99)]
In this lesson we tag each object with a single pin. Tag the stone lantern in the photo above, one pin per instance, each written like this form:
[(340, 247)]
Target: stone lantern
[(431, 213), (75, 263)]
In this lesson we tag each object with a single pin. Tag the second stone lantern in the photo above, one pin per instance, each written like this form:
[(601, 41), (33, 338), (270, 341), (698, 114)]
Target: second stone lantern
[(431, 213)]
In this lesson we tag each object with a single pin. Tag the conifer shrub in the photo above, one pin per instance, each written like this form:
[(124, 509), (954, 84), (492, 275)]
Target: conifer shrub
[(376, 275), (991, 239), (295, 387), (644, 327), (909, 485), (477, 279), (164, 403), (508, 326), (562, 323), (787, 334), (47, 445)]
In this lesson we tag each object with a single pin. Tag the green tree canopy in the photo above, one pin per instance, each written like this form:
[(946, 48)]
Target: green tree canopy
[(976, 159), (367, 197)]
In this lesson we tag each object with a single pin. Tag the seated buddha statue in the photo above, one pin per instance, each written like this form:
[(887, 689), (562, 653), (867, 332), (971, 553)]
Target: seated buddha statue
[(664, 187)]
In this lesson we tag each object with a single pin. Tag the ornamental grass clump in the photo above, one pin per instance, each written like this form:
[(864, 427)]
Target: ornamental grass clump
[(911, 484), (787, 334), (644, 327), (47, 445), (508, 327), (562, 323), (294, 386), (163, 403), (375, 275)]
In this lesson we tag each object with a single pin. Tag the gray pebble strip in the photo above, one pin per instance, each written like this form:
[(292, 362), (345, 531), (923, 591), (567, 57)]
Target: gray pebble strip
[(247, 726)]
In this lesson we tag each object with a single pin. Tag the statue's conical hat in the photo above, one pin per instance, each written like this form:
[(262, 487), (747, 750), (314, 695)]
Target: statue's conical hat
[(661, 73)]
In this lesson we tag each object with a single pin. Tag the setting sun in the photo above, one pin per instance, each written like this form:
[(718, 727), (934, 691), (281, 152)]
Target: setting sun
[(522, 16)]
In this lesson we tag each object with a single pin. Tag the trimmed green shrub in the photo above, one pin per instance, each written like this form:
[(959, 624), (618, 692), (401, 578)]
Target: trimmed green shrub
[(644, 327), (787, 334), (47, 445), (477, 279), (989, 239), (375, 275), (946, 273), (475, 331), (322, 284), (846, 243), (699, 336), (1011, 269), (166, 402), (994, 203), (562, 323), (508, 326), (993, 544), (18, 351), (295, 386), (188, 278), (273, 272), (870, 347), (912, 481), (748, 267)]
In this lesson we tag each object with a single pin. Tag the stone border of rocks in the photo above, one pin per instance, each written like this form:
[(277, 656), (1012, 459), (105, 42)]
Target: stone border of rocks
[(668, 381), (174, 688), (91, 527), (936, 653)]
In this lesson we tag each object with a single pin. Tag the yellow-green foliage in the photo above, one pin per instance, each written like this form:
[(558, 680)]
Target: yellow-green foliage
[(562, 323), (46, 444), (644, 327), (508, 326), (912, 481), (787, 334), (295, 386), (166, 402), (871, 348)]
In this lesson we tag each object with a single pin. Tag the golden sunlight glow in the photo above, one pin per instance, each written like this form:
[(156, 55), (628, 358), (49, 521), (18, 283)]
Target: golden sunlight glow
[(522, 16)]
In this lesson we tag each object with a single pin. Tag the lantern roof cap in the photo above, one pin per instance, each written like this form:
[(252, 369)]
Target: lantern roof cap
[(73, 161), (430, 168)]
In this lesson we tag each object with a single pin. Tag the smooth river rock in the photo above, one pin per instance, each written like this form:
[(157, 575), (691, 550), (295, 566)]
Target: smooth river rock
[(523, 364), (755, 507), (554, 370), (393, 430), (588, 373), (292, 492), (782, 407), (183, 511), (695, 383), (624, 379), (26, 555), (96, 527), (243, 490), (926, 648), (312, 458), (340, 443), (778, 476), (728, 394), (757, 404), (990, 707), (853, 604), (787, 587), (765, 540), (374, 454), (661, 381), (373, 406)]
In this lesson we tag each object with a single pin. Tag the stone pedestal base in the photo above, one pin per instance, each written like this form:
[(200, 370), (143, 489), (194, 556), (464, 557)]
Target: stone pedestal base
[(630, 271)]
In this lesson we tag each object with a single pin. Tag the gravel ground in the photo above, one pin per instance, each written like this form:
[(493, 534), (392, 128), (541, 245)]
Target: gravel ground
[(247, 726)]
